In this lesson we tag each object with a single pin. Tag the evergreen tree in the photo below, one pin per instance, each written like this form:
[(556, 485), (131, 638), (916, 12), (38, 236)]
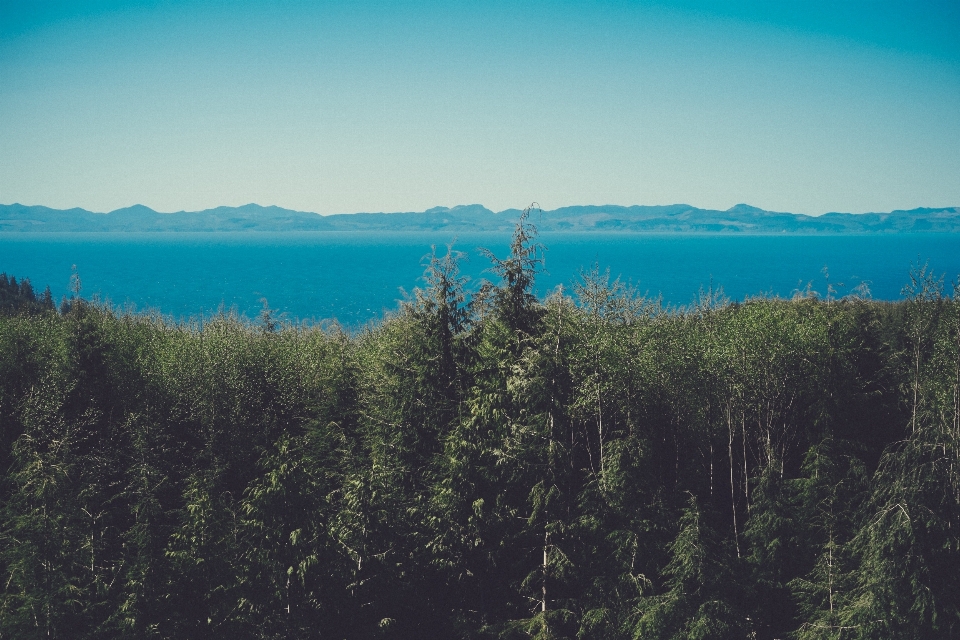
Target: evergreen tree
[(514, 301), (596, 466), (700, 598), (830, 495), (20, 298)]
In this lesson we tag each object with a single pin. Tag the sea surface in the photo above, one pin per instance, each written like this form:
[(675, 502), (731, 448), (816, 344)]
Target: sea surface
[(357, 277)]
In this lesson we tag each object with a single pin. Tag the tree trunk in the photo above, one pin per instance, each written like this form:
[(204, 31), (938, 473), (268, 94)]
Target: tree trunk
[(733, 496)]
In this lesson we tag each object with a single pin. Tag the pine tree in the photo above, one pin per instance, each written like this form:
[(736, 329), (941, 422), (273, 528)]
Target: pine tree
[(830, 494), (771, 535), (514, 301), (700, 597)]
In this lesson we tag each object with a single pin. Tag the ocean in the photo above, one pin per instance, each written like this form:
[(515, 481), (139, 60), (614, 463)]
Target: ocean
[(357, 277)]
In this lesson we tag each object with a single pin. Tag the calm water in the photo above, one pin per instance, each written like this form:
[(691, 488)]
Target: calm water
[(356, 277)]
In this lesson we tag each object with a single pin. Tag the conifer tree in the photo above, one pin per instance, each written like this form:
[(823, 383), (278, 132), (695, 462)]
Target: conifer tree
[(830, 495), (771, 534), (44, 594), (514, 301), (700, 598)]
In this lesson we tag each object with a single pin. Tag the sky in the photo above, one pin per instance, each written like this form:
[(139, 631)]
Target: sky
[(340, 107)]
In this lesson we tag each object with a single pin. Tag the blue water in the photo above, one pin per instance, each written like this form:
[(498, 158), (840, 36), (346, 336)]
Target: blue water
[(356, 276)]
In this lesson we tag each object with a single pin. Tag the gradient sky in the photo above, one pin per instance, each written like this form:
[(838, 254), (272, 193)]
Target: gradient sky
[(805, 107)]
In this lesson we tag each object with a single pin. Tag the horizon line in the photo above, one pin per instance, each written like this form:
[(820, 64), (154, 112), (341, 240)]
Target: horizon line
[(740, 205)]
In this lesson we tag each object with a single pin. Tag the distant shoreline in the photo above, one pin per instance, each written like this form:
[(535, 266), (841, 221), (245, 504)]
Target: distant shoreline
[(667, 219)]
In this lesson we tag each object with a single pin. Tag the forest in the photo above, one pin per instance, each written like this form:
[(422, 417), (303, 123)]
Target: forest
[(484, 463)]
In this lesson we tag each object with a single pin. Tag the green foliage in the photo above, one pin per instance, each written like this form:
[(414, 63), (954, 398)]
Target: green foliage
[(830, 494), (19, 298), (486, 466), (701, 594), (513, 300)]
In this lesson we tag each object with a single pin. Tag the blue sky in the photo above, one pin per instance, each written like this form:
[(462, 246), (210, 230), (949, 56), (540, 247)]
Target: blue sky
[(806, 107)]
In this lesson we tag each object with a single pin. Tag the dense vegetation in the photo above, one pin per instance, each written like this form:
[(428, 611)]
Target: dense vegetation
[(589, 465), (20, 298)]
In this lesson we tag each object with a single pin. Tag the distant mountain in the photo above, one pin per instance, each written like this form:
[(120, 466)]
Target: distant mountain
[(675, 218)]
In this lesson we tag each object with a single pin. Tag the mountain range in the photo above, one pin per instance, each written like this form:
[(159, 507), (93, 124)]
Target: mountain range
[(677, 218)]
